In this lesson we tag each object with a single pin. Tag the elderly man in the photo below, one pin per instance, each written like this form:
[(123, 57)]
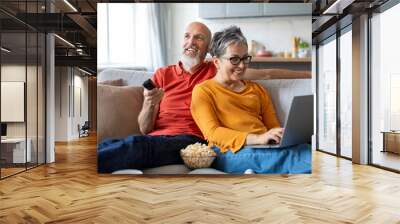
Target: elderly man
[(165, 119)]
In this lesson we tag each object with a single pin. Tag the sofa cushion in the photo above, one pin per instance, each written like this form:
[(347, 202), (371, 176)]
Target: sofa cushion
[(128, 171), (282, 92), (118, 109), (129, 77), (168, 169), (206, 171), (113, 82)]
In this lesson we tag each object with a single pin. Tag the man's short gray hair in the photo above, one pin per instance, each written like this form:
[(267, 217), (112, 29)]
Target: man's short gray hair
[(222, 39)]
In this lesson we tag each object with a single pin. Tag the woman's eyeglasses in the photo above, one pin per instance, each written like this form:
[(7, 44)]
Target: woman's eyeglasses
[(236, 59)]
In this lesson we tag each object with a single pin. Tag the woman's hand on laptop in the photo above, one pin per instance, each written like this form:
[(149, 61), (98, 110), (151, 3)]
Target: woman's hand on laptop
[(274, 134)]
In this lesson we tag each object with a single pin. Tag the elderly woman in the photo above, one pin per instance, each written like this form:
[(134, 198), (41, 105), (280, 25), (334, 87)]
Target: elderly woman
[(234, 114)]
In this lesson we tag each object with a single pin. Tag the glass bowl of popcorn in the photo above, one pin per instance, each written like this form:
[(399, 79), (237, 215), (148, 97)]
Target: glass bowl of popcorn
[(198, 156)]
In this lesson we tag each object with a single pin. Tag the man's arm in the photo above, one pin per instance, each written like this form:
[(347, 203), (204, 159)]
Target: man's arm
[(148, 114), (147, 117), (258, 74)]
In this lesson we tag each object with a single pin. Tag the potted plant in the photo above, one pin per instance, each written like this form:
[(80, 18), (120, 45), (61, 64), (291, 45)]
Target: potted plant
[(304, 49)]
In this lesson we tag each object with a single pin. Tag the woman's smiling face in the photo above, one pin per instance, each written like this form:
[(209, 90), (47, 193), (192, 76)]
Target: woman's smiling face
[(230, 72)]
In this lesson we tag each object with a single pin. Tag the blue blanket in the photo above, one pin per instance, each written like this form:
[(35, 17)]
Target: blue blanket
[(290, 160)]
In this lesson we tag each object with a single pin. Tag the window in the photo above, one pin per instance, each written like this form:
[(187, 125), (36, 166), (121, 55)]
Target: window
[(129, 36), (394, 119), (22, 65), (346, 94), (385, 88), (116, 43), (327, 96)]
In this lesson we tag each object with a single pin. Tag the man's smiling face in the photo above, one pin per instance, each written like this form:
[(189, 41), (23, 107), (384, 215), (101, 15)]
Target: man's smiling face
[(195, 44)]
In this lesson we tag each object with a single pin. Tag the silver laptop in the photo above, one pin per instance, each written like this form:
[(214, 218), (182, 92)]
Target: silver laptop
[(299, 123)]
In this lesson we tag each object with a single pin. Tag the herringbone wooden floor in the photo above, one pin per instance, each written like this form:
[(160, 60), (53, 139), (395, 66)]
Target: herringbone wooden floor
[(70, 191)]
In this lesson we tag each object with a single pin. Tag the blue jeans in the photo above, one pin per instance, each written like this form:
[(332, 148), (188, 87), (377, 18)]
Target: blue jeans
[(141, 151), (290, 160)]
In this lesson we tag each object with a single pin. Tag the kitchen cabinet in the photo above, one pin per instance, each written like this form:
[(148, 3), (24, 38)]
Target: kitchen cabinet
[(212, 10), (287, 9), (243, 10)]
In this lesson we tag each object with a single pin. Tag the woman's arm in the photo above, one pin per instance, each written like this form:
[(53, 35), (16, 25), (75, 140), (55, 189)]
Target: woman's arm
[(274, 134), (270, 119), (253, 139), (259, 74)]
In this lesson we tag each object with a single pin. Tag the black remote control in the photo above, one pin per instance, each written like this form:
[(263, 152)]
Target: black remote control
[(149, 84)]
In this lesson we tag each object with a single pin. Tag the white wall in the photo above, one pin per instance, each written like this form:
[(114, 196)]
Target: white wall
[(61, 103), (80, 83), (275, 33), (15, 72), (33, 126), (68, 82)]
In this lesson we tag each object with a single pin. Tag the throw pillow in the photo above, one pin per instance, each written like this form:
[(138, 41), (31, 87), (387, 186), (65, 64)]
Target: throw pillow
[(115, 82), (118, 109)]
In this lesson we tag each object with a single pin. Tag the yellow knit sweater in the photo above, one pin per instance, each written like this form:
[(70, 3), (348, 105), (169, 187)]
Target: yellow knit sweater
[(226, 117)]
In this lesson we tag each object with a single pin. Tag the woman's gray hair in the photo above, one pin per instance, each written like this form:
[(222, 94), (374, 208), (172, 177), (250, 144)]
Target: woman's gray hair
[(222, 39)]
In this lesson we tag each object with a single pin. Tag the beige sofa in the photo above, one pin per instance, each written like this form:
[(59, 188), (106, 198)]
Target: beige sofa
[(119, 106)]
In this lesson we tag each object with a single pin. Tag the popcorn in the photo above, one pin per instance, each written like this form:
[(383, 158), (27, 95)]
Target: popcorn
[(198, 156)]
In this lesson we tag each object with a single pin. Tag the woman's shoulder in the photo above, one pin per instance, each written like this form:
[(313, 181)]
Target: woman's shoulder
[(259, 88), (254, 84), (204, 91), (207, 84)]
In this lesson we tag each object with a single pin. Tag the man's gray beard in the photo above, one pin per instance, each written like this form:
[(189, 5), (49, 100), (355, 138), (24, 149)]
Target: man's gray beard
[(189, 62)]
